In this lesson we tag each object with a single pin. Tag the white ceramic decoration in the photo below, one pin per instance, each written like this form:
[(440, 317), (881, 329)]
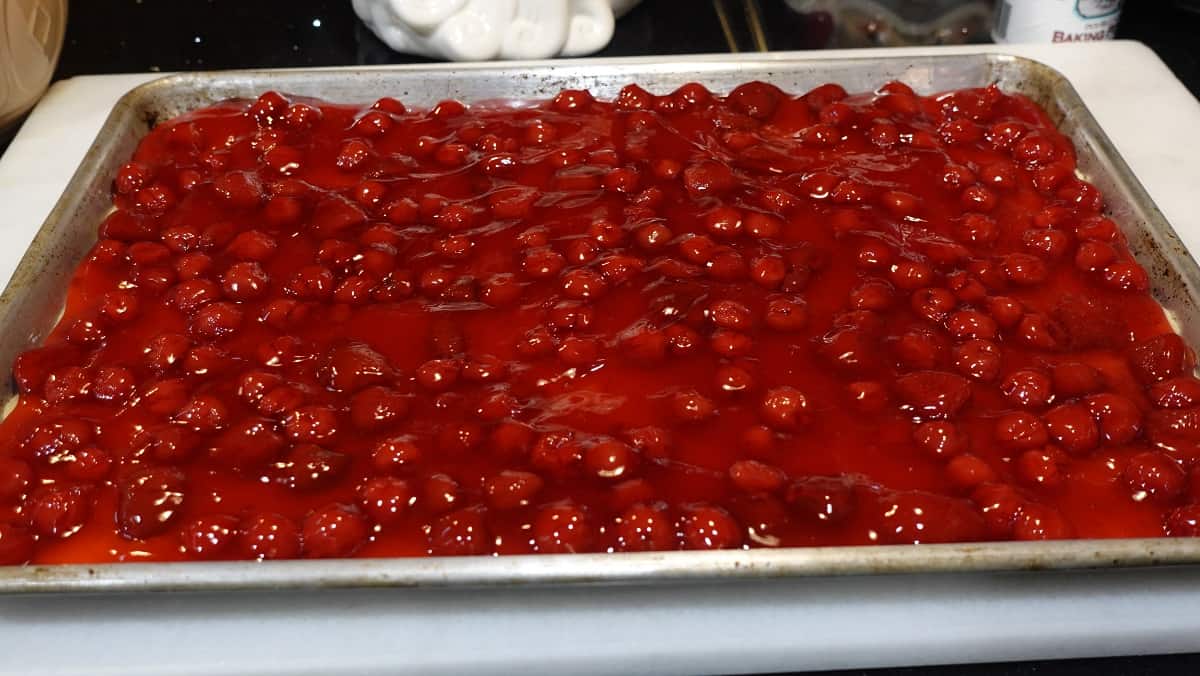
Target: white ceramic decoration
[(31, 36), (481, 30)]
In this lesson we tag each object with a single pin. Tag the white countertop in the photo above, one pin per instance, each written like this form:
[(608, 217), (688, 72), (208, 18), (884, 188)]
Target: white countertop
[(773, 625)]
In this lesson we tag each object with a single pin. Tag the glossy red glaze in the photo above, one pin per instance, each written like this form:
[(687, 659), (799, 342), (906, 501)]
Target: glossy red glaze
[(664, 322)]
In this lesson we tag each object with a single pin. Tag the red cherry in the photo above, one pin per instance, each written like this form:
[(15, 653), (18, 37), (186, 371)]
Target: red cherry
[(245, 281), (216, 320), (708, 527), (209, 537), (204, 413), (1180, 392), (1153, 475), (252, 245), (561, 529), (58, 511), (1000, 505), (691, 406), (724, 222), (1072, 427), (1036, 331), (643, 528), (1006, 312), (872, 294), (1119, 418), (460, 533), (308, 467), (1038, 522), (967, 324), (397, 455), (1126, 275), (333, 531), (978, 359), (729, 344), (609, 459), (1041, 467), (1073, 379), (253, 385), (355, 365), (968, 471), (33, 367), (311, 423), (933, 304), (377, 407), (1094, 255), (784, 408), (827, 500), (15, 478), (579, 352), (512, 489), (1161, 357), (149, 501), (940, 439), (65, 384), (55, 439), (1020, 431), (1027, 388), (247, 445), (267, 536), (90, 464), (385, 499), (164, 350), (731, 314), (911, 275), (786, 314), (915, 517), (440, 493), (920, 348), (933, 393), (733, 380), (753, 476), (1025, 269), (1183, 522)]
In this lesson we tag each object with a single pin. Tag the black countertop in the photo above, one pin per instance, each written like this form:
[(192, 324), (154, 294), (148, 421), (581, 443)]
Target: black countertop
[(117, 36)]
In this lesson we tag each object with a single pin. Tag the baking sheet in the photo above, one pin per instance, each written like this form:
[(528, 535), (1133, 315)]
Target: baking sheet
[(69, 232), (701, 627)]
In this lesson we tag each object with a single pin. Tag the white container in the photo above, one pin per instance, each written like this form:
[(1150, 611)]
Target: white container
[(31, 36), (481, 30), (1056, 20)]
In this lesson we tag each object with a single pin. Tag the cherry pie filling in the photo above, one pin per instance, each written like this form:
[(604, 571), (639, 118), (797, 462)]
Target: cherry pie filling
[(662, 322)]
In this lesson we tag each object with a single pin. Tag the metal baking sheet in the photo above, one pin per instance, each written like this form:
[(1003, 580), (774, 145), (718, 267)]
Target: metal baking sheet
[(70, 229)]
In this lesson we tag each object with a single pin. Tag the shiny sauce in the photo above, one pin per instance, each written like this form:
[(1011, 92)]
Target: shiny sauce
[(679, 321)]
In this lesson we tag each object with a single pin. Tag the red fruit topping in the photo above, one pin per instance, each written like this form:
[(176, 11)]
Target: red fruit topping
[(583, 325)]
